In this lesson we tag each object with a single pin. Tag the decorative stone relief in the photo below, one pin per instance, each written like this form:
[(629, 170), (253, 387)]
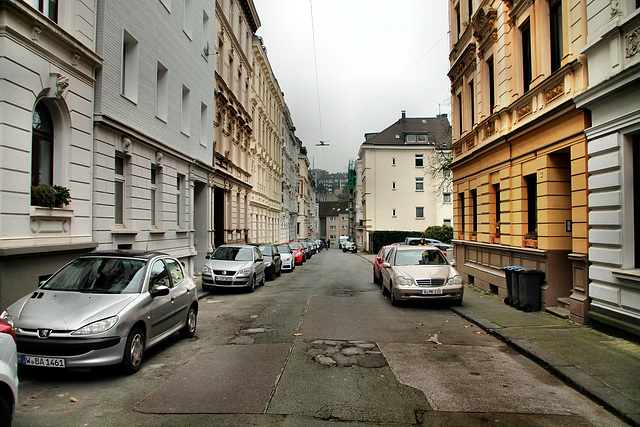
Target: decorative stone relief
[(615, 8), (62, 83), (76, 59), (554, 92), (524, 111), (633, 42), (35, 36), (159, 157), (126, 145)]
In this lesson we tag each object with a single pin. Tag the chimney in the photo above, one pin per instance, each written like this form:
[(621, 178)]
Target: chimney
[(404, 116)]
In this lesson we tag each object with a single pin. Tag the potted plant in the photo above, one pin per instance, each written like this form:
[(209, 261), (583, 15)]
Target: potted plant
[(474, 236), (531, 240), (48, 196)]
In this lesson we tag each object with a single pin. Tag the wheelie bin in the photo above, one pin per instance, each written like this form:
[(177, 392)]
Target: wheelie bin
[(529, 289), (509, 276)]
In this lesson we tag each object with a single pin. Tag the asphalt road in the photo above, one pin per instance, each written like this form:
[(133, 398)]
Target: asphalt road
[(317, 346)]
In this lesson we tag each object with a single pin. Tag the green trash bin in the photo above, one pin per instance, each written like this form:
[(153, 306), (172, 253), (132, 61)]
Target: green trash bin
[(530, 289)]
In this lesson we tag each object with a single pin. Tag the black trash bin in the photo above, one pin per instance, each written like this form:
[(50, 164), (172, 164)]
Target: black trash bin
[(529, 289), (515, 301), (509, 276)]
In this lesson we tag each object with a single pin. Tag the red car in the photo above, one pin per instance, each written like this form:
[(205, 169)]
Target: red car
[(298, 252), (377, 264)]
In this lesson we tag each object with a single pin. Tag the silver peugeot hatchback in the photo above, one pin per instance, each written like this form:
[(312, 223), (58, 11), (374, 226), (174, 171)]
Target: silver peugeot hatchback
[(104, 308)]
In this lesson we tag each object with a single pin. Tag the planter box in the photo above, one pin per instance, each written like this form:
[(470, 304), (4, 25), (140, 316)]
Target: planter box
[(494, 239), (530, 243)]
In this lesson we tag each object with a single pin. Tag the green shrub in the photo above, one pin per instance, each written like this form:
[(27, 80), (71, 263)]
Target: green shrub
[(444, 233)]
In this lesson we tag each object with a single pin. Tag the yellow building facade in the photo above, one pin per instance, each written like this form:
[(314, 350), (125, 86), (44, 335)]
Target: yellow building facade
[(520, 159)]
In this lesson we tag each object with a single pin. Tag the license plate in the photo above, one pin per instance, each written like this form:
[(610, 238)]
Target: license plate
[(223, 279), (431, 292), (49, 362)]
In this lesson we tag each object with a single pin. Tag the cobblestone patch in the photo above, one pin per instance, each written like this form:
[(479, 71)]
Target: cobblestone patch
[(346, 353)]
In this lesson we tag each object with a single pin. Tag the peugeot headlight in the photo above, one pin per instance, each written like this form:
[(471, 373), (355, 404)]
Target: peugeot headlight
[(404, 281), (455, 280), (244, 272), (7, 318), (97, 327)]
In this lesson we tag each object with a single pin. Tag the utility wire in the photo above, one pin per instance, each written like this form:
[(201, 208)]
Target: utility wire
[(315, 58), (390, 86)]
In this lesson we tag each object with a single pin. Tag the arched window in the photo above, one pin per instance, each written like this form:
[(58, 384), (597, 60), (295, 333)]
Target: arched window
[(42, 146)]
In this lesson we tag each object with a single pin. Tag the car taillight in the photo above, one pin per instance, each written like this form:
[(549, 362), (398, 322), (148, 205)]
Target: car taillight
[(6, 328)]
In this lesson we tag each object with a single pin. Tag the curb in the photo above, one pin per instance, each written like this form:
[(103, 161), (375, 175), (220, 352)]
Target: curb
[(613, 401)]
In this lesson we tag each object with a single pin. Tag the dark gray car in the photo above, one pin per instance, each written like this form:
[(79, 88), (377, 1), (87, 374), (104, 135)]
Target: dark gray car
[(104, 308), (272, 260), (234, 266)]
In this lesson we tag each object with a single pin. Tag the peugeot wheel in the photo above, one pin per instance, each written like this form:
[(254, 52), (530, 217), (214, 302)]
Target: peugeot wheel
[(189, 329), (133, 351)]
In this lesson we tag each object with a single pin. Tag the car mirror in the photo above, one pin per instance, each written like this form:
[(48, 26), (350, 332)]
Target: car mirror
[(386, 265), (454, 264), (159, 291), (259, 260), (207, 257), (378, 259)]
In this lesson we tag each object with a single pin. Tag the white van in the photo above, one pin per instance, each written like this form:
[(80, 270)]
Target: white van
[(342, 241)]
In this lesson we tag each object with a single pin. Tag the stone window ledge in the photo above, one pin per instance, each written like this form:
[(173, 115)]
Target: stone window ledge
[(631, 274), (124, 231)]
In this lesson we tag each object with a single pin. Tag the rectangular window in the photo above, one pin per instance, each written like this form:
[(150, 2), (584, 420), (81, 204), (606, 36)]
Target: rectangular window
[(393, 212), (636, 200), (492, 85), (411, 138), (48, 8), (419, 212), (532, 203), (188, 17), (204, 124), (446, 197), (460, 127), (153, 200), (206, 33), (474, 201), (180, 200), (186, 110), (470, 7), (419, 183), (457, 22), (130, 56), (393, 185), (393, 161), (462, 207), (332, 227), (119, 185), (419, 160), (496, 207), (162, 92), (447, 222), (332, 218), (555, 33), (525, 34), (472, 101)]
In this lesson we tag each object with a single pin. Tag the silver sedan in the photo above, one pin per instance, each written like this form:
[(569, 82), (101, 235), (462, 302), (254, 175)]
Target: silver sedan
[(104, 308), (420, 273)]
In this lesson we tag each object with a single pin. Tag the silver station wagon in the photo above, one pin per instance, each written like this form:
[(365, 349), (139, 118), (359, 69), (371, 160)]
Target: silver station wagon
[(104, 308)]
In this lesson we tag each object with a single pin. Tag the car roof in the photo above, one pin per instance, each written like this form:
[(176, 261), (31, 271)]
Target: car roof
[(414, 247), (127, 253)]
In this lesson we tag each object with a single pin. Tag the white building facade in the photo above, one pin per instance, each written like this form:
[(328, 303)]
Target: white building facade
[(400, 192), (613, 96), (153, 135), (289, 207), (46, 104)]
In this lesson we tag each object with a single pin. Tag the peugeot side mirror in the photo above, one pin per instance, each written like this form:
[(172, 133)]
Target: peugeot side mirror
[(159, 291)]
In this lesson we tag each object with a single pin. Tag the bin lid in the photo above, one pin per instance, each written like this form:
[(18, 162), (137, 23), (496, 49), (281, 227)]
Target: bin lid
[(511, 267)]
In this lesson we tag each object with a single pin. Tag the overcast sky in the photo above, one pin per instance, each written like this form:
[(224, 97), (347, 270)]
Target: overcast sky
[(375, 58)]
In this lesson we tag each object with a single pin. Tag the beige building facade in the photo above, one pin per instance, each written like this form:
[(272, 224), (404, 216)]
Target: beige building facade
[(520, 154), (236, 24), (266, 149)]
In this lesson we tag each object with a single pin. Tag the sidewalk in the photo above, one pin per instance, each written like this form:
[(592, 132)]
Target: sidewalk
[(604, 368)]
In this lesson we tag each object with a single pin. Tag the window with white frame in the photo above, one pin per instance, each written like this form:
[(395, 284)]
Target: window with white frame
[(186, 110), (48, 8), (419, 160), (419, 183), (206, 30), (180, 200), (393, 161), (393, 185), (130, 64), (119, 187), (447, 221), (332, 218), (154, 196), (446, 197), (188, 17), (419, 212), (162, 92), (204, 124), (393, 212), (332, 228)]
